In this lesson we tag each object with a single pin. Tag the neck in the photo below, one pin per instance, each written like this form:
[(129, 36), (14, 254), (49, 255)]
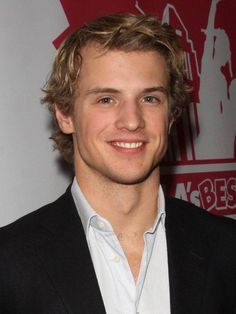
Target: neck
[(129, 208)]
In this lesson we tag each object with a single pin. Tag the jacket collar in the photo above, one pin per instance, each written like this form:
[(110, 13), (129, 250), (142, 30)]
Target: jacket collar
[(65, 256)]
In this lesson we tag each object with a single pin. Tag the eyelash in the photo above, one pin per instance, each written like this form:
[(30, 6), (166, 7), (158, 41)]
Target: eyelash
[(105, 100), (151, 99)]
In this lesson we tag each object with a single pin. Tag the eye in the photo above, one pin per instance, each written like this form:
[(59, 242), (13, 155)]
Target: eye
[(105, 100), (151, 99)]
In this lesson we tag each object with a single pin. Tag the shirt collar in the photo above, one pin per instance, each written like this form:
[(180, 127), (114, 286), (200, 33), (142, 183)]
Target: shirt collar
[(89, 216), (161, 216), (86, 212)]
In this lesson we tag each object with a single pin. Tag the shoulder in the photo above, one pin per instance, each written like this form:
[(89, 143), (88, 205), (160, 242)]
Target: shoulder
[(176, 206), (201, 230), (196, 219), (29, 227)]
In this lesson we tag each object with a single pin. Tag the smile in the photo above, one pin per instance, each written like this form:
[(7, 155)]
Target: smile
[(128, 145)]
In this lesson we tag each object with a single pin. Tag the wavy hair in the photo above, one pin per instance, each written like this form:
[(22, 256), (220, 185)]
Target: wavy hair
[(124, 32)]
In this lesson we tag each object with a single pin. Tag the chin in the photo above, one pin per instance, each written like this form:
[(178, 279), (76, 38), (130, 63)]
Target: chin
[(131, 179)]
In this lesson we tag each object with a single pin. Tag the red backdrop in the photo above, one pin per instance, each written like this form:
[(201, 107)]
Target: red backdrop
[(200, 165)]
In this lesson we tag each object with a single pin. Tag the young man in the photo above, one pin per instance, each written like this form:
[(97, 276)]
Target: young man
[(112, 243)]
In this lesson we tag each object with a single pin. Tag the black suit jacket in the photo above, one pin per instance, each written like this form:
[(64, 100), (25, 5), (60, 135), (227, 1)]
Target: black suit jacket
[(46, 268)]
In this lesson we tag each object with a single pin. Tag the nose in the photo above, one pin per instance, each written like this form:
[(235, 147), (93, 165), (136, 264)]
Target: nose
[(130, 117)]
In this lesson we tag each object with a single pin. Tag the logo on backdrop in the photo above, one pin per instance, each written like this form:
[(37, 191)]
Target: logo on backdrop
[(209, 127), (206, 133)]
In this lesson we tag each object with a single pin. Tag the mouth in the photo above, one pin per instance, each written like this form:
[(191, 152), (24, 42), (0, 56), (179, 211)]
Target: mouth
[(128, 145)]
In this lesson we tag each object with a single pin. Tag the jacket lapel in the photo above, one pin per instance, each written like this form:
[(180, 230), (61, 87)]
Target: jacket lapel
[(187, 261), (65, 256)]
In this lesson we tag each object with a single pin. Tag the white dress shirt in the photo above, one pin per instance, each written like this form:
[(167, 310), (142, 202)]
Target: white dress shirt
[(120, 293)]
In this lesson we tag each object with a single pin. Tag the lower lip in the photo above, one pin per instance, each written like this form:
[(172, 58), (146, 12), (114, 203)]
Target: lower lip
[(130, 151)]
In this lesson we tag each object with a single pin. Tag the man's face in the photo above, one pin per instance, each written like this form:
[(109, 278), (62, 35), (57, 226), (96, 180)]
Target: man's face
[(120, 119)]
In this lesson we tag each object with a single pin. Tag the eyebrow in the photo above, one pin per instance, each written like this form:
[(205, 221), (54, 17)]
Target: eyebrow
[(100, 90), (161, 89)]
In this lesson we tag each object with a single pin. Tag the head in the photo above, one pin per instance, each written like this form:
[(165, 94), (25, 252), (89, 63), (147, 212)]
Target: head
[(123, 32)]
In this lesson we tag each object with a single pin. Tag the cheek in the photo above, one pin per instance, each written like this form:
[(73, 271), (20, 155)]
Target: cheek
[(91, 125), (158, 123), (101, 119)]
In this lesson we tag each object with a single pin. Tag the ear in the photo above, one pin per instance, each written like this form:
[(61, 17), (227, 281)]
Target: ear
[(65, 122)]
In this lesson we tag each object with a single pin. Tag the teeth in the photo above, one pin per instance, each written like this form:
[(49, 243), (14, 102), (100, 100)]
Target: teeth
[(128, 145)]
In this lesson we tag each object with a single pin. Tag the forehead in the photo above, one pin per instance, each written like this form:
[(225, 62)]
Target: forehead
[(99, 64), (97, 53)]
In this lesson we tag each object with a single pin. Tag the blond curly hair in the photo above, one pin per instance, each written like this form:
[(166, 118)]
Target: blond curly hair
[(124, 32)]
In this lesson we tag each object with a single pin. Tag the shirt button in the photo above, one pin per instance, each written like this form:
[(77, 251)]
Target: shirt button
[(101, 225), (117, 258)]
